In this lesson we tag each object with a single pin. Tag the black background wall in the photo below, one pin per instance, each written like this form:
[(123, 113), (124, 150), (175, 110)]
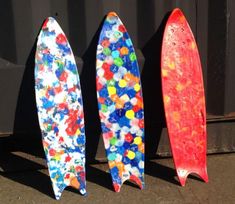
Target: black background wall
[(212, 22)]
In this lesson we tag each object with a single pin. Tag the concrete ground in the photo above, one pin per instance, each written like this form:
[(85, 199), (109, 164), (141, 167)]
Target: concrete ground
[(33, 186)]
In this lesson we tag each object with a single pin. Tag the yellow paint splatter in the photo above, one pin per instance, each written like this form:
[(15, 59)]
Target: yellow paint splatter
[(130, 114), (137, 87), (182, 18), (193, 45), (171, 65), (111, 90), (137, 140), (112, 164), (166, 99), (179, 87), (176, 116), (141, 147), (184, 129), (122, 83), (78, 132), (57, 156), (164, 72), (131, 154)]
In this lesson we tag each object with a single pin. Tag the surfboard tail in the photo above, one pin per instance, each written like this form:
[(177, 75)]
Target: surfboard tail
[(59, 183), (123, 173), (183, 174), (139, 181), (58, 191)]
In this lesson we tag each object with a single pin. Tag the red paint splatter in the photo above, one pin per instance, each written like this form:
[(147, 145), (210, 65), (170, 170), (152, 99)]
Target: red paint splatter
[(108, 135), (68, 158), (71, 129), (52, 152), (116, 187), (82, 176), (61, 39), (64, 76), (63, 106), (73, 89), (47, 92), (105, 43), (57, 89), (72, 122), (108, 75), (141, 123), (45, 24), (101, 100), (99, 86), (106, 66), (78, 169), (136, 108), (136, 180), (61, 139), (122, 28), (41, 68), (128, 138)]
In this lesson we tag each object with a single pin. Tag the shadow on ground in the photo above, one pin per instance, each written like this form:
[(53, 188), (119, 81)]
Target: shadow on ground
[(34, 179)]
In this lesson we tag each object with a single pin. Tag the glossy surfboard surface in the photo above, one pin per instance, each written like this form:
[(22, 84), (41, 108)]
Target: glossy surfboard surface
[(60, 109), (183, 95), (120, 103)]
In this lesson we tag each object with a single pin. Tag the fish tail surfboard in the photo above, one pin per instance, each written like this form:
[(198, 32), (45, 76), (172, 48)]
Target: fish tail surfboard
[(120, 103), (60, 109), (183, 96)]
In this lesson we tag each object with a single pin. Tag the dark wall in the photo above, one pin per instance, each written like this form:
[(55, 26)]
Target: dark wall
[(212, 22), (221, 52), (230, 70), (21, 21)]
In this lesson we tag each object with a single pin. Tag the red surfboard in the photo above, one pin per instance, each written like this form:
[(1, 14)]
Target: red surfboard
[(183, 96)]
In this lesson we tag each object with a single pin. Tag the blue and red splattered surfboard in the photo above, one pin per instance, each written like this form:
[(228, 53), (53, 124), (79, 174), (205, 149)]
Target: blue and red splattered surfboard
[(60, 109), (184, 100), (120, 103)]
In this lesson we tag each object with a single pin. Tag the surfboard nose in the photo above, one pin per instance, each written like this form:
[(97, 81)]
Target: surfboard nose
[(112, 13)]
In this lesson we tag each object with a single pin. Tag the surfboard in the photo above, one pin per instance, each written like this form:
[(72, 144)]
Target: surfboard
[(183, 96), (120, 103), (60, 109)]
